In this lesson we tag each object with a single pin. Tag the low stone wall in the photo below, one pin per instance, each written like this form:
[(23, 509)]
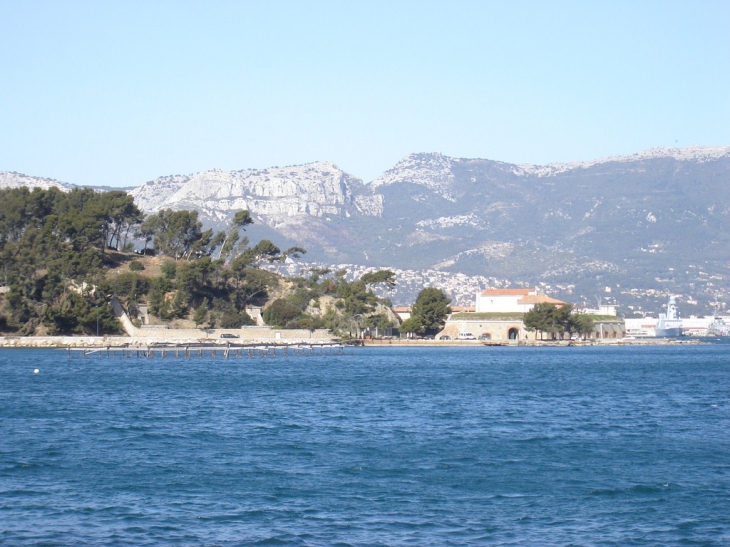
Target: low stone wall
[(146, 337), (497, 330), (244, 333), (501, 331), (62, 341)]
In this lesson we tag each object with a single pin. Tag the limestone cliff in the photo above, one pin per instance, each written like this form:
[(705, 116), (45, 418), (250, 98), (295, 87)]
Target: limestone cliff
[(273, 195)]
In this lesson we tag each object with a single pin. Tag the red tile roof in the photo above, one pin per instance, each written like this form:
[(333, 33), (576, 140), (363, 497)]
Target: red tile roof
[(507, 292)]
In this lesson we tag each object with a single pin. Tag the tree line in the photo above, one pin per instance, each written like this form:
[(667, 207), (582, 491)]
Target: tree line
[(58, 247), (557, 321)]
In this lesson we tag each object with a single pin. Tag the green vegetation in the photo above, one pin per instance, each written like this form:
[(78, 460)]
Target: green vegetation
[(54, 251), (557, 321), (430, 310), (327, 300), (412, 325), (64, 255), (381, 277)]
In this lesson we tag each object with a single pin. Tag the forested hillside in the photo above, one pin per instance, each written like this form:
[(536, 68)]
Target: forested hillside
[(66, 254)]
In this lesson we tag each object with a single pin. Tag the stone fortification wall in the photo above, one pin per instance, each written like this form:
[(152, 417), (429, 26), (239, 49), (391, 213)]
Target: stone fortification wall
[(249, 335), (244, 334), (497, 330), (500, 330)]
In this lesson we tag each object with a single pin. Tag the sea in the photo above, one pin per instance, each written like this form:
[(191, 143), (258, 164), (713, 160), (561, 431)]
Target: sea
[(601, 446)]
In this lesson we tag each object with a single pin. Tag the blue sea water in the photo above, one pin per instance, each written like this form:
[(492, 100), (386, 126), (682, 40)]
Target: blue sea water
[(429, 447)]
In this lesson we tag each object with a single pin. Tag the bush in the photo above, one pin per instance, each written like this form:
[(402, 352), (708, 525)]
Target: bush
[(281, 312), (247, 320), (130, 285), (169, 269), (230, 320), (301, 298), (304, 322), (235, 320), (136, 266)]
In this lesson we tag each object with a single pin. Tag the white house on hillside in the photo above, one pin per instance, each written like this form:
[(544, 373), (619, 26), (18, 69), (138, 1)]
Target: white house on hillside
[(512, 300)]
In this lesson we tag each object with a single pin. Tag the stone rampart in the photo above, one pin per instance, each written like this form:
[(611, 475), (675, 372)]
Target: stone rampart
[(246, 335), (268, 334), (503, 330)]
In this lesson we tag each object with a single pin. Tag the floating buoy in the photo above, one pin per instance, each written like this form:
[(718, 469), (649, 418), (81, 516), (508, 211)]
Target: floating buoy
[(36, 371)]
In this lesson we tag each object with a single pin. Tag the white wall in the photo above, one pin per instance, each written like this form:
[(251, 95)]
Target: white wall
[(501, 303)]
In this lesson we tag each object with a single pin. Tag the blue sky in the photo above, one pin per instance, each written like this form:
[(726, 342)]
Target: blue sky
[(121, 92)]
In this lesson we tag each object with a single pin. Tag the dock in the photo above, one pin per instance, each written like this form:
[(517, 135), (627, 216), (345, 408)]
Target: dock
[(207, 351)]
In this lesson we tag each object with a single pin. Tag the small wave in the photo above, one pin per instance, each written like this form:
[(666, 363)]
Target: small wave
[(537, 439), (272, 541), (640, 489), (25, 466), (20, 492)]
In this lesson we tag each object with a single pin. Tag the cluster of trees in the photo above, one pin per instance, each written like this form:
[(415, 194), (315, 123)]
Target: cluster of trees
[(429, 313), (56, 248), (325, 299), (52, 248), (180, 235), (557, 321), (210, 290)]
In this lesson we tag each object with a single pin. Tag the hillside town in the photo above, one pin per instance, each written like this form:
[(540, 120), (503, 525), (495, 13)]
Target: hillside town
[(462, 289)]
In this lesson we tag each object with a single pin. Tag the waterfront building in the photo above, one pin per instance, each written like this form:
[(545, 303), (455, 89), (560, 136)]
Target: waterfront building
[(511, 300)]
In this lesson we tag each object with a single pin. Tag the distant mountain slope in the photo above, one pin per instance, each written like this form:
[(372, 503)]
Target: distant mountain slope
[(298, 202), (10, 179), (315, 189), (658, 220)]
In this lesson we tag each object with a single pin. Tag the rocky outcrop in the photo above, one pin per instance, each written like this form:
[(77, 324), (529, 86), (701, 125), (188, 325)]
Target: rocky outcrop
[(315, 190), (432, 171), (10, 179)]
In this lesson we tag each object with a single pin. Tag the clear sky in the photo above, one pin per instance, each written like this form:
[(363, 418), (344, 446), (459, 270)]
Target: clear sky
[(120, 92)]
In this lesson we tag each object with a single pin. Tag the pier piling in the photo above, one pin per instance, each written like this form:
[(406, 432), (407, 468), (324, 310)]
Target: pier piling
[(212, 352)]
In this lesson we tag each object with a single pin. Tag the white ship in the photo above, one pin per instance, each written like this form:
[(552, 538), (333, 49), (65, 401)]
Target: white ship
[(718, 327), (669, 324)]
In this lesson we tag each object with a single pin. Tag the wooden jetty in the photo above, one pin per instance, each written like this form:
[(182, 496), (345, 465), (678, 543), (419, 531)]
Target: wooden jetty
[(200, 351)]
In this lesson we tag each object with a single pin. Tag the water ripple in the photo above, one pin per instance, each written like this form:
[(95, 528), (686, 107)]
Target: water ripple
[(498, 446)]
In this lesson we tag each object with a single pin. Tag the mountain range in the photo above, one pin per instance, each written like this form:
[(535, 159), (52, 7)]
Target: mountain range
[(635, 228)]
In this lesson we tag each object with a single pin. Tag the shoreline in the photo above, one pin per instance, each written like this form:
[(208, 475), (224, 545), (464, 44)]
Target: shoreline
[(64, 342), (534, 343), (94, 342)]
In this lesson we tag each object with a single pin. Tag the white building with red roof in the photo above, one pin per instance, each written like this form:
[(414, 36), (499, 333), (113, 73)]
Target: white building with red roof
[(512, 300)]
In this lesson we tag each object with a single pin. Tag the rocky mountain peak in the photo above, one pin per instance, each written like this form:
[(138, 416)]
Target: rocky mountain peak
[(314, 189), (432, 170)]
